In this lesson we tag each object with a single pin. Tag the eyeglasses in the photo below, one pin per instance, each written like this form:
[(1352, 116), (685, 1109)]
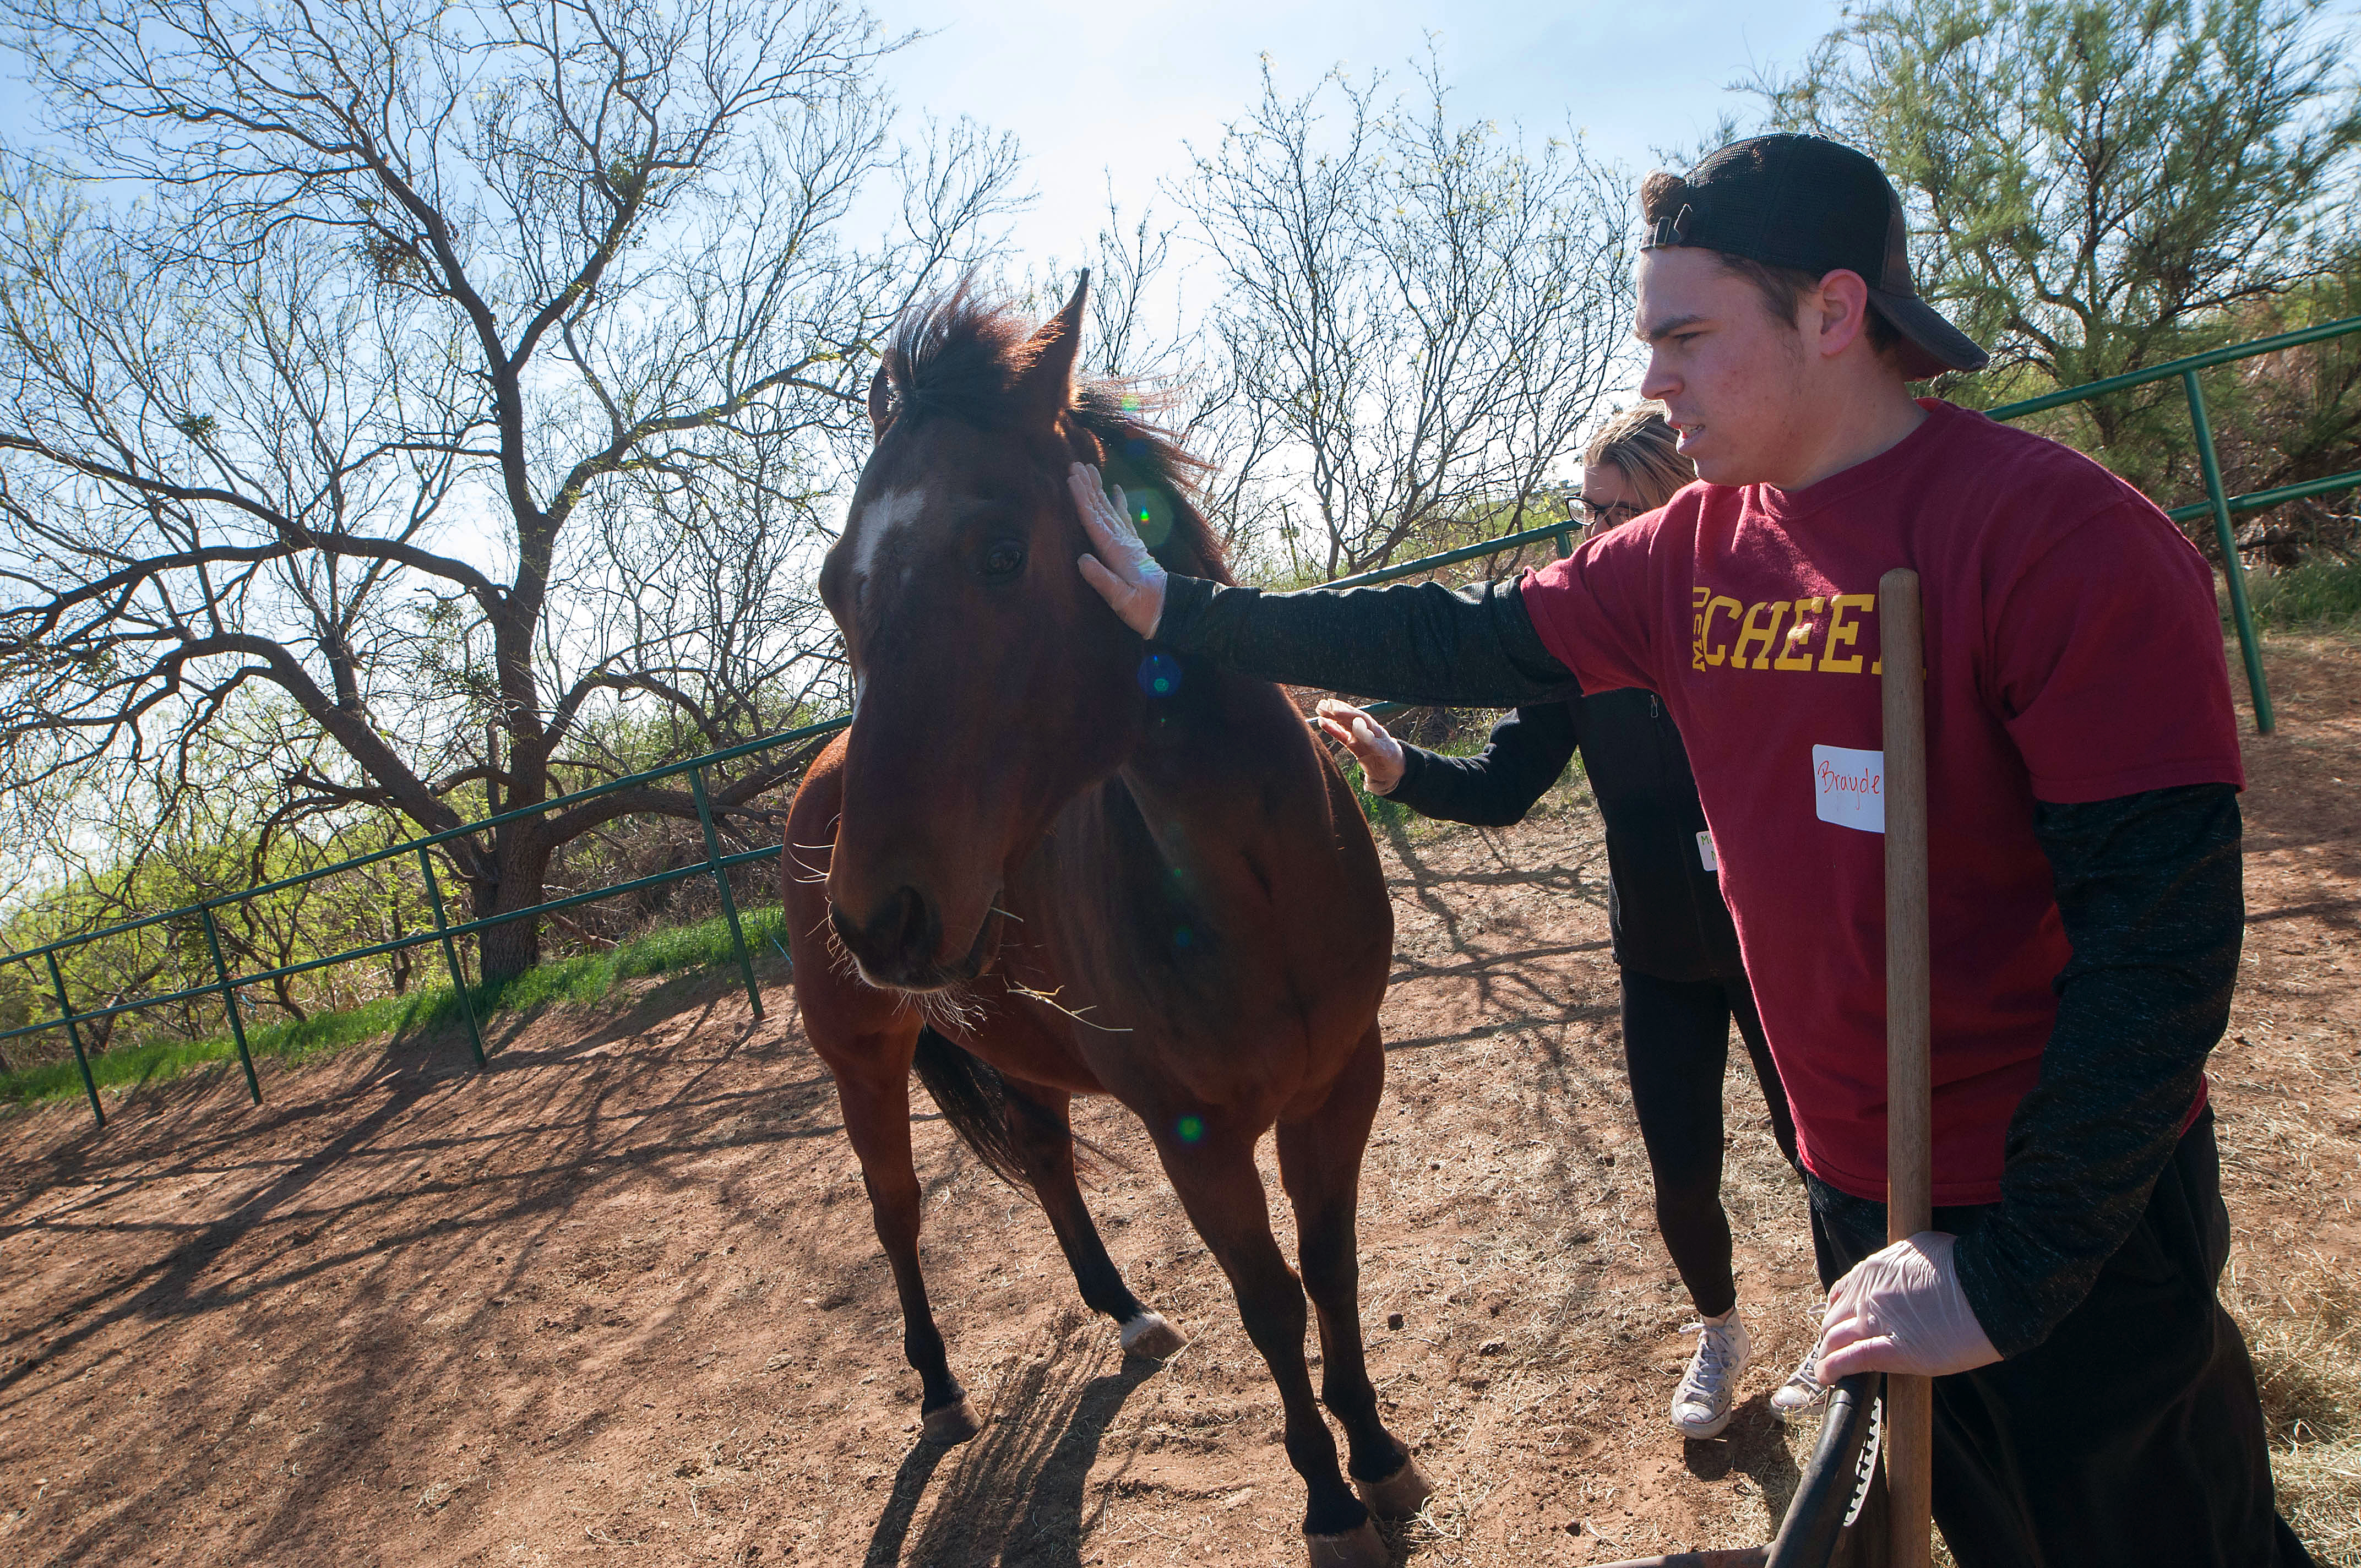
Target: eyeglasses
[(1612, 515)]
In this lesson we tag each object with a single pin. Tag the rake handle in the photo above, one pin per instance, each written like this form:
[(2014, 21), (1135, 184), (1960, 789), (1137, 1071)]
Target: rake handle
[(1909, 1083)]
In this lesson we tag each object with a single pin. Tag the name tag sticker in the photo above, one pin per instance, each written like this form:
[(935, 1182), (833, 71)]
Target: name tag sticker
[(1705, 852), (1849, 788)]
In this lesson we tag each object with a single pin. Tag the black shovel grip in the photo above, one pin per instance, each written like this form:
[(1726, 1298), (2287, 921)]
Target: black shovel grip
[(1837, 1477)]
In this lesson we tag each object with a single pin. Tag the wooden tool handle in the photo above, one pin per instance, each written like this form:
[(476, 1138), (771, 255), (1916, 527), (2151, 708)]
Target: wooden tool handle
[(1909, 1084)]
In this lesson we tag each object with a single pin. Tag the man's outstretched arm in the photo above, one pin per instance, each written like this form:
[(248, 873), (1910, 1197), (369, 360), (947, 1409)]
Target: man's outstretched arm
[(1417, 642)]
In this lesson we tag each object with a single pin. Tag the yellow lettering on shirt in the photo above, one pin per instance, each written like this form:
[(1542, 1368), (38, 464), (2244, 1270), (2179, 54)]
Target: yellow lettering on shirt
[(1765, 637), (1798, 656), (1704, 627), (1843, 633)]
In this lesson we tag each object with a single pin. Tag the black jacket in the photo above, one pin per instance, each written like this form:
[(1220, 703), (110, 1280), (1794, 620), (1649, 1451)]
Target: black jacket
[(1664, 897)]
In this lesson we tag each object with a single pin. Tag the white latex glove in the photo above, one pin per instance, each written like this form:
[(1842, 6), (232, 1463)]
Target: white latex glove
[(1902, 1310), (1380, 754), (1124, 573)]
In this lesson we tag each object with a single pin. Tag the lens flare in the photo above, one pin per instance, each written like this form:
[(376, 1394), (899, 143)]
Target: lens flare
[(1160, 674), (1151, 513), (1192, 1129)]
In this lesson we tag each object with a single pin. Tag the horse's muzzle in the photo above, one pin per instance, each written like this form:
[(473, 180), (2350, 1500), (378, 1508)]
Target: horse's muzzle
[(898, 946)]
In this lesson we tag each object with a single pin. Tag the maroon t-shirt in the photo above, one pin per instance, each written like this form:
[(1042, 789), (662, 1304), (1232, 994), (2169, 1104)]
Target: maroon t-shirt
[(2073, 653)]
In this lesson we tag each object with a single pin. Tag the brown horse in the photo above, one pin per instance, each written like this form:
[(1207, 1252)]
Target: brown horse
[(1047, 860)]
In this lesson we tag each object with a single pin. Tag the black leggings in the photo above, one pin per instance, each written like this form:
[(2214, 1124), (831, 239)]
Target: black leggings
[(1675, 1047)]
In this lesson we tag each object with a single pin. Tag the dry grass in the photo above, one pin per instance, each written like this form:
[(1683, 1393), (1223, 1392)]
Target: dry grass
[(2306, 1340)]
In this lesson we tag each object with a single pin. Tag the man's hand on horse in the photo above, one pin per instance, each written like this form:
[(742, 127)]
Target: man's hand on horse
[(1124, 573), (1902, 1310)]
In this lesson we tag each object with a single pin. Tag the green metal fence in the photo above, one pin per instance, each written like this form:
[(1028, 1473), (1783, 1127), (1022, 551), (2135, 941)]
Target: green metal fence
[(2219, 505), (225, 984)]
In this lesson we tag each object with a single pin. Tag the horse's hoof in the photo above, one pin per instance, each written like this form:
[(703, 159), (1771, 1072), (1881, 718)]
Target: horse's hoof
[(1399, 1496), (955, 1422), (1356, 1548), (1148, 1334)]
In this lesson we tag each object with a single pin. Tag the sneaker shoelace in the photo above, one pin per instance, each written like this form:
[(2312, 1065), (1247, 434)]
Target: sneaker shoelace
[(1803, 1384), (1807, 1371), (1713, 1359)]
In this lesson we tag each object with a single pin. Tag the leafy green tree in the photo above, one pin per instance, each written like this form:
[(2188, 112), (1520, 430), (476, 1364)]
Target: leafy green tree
[(17, 1008), (167, 837), (2096, 186), (2295, 415)]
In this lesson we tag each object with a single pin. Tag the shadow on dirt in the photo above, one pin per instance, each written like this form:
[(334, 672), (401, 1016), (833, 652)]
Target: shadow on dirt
[(2298, 782), (387, 1221), (1754, 1446), (1015, 1493)]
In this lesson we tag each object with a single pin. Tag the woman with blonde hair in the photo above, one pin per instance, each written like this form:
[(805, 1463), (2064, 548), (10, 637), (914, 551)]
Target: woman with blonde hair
[(1683, 983)]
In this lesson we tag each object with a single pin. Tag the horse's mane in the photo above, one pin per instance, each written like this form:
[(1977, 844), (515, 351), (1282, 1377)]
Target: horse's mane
[(960, 354)]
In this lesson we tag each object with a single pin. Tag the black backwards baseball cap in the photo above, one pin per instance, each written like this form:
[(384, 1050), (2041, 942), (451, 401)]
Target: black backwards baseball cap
[(1809, 202)]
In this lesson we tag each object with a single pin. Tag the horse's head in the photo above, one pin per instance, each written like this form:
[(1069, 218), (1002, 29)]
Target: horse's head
[(991, 684)]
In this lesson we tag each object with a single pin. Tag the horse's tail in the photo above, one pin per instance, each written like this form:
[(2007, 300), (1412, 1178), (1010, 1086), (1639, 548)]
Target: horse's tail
[(982, 1110), (977, 1102)]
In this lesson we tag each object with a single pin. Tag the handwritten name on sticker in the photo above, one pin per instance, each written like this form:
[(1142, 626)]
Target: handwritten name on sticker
[(1849, 788)]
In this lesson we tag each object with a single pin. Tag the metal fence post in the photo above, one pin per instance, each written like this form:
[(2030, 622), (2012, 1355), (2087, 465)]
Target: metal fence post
[(451, 955), (229, 1001), (722, 881), (65, 1011), (2234, 571), (1565, 537)]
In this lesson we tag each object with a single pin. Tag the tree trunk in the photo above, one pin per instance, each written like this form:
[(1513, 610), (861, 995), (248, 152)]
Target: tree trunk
[(521, 861)]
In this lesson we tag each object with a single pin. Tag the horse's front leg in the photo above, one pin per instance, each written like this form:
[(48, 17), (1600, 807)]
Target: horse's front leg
[(1319, 1165), (872, 1086), (1223, 1192), (1041, 1128)]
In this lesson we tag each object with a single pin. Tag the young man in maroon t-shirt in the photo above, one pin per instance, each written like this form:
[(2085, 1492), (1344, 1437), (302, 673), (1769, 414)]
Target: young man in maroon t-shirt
[(2094, 1404)]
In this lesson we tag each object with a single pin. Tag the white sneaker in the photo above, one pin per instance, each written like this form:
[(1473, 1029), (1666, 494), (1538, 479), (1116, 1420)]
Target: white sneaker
[(1802, 1391), (1702, 1404)]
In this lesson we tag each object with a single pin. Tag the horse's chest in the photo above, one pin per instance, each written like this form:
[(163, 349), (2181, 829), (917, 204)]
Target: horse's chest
[(1215, 962)]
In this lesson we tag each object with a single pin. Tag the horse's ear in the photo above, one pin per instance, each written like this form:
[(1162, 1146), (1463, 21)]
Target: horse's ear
[(880, 403), (1044, 388)]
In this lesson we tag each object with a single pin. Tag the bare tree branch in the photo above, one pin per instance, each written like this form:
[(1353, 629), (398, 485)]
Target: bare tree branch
[(470, 382)]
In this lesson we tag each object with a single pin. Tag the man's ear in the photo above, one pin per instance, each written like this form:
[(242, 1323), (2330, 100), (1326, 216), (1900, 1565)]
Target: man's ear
[(1044, 388), (1842, 301), (880, 403)]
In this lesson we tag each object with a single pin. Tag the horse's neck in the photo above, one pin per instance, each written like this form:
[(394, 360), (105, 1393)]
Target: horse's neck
[(1232, 743)]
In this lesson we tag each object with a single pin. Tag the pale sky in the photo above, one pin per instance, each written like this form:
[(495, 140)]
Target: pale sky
[(1094, 90)]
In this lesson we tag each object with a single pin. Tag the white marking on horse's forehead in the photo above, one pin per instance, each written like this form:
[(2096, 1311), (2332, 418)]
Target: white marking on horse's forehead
[(887, 515)]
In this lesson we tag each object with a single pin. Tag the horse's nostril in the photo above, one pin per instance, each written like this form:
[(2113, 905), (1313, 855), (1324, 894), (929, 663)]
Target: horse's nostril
[(901, 936), (904, 923)]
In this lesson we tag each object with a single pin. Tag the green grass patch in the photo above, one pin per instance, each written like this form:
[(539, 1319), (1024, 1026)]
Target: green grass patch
[(2319, 596), (585, 979)]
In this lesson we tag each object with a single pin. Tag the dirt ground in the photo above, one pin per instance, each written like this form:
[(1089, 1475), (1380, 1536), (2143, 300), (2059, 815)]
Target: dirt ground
[(617, 1300)]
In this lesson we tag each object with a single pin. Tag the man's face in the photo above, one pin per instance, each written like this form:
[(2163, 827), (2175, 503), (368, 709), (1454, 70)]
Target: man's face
[(1732, 376)]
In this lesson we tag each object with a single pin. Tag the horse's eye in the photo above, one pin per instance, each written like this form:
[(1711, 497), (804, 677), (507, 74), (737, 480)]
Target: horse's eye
[(1003, 559)]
